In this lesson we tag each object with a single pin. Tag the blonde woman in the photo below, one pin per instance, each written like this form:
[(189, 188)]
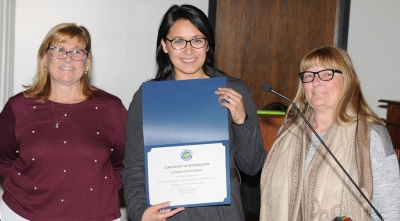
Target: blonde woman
[(62, 140), (300, 181)]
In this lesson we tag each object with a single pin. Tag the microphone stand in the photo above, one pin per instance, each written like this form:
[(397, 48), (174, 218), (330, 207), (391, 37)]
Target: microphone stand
[(268, 88)]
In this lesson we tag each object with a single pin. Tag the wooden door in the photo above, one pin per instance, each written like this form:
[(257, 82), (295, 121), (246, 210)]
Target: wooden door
[(264, 40)]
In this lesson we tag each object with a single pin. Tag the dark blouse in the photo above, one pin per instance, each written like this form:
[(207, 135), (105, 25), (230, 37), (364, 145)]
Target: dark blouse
[(246, 151)]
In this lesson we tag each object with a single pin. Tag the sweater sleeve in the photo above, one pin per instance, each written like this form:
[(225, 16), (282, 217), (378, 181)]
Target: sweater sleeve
[(119, 145), (250, 152), (8, 141), (133, 173), (386, 176)]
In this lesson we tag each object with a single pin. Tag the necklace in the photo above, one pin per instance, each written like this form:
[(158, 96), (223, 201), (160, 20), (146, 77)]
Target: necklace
[(58, 122)]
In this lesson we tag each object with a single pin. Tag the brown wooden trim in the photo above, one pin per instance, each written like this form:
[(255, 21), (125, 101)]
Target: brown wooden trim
[(389, 102)]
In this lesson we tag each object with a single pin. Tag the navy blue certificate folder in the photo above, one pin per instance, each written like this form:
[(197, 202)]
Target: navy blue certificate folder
[(186, 141)]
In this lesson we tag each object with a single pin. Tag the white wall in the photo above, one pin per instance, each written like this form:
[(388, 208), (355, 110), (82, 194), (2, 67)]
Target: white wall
[(374, 46), (123, 35)]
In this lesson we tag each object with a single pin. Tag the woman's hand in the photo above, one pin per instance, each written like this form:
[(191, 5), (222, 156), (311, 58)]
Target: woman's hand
[(157, 213), (234, 104)]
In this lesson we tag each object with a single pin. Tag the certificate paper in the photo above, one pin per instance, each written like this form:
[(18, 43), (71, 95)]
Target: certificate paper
[(188, 175), (186, 143)]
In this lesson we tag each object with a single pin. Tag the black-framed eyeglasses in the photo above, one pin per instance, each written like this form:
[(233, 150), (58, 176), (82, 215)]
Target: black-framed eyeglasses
[(61, 53), (324, 75), (179, 43)]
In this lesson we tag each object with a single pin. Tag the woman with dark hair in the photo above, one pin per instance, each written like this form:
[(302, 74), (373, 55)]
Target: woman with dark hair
[(62, 139), (185, 49), (300, 180), (199, 20)]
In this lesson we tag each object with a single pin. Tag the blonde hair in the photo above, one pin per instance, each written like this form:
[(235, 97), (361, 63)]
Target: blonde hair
[(40, 89), (352, 97)]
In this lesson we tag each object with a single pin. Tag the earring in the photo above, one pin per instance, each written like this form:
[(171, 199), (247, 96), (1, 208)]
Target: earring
[(45, 68), (308, 106), (87, 68)]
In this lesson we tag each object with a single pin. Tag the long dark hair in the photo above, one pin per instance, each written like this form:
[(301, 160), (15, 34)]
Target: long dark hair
[(199, 20)]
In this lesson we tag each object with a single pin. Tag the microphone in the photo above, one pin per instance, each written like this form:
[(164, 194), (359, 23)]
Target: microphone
[(267, 88), (343, 218)]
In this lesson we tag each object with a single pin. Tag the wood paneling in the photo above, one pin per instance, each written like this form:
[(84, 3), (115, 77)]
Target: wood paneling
[(264, 40), (269, 126), (393, 123)]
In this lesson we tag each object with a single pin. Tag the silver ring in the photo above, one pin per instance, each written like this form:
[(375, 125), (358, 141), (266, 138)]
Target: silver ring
[(228, 98)]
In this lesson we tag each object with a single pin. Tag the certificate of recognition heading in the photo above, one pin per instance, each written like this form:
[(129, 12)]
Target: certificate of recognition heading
[(186, 143)]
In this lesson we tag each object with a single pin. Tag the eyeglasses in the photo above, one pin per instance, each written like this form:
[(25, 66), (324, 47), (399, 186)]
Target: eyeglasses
[(61, 53), (179, 44), (324, 75)]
